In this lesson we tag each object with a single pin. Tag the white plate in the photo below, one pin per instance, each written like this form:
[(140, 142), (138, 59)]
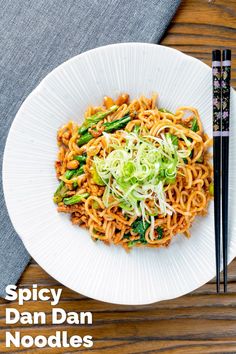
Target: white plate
[(66, 252)]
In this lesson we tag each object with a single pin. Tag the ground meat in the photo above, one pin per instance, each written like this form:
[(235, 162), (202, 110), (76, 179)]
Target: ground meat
[(68, 208)]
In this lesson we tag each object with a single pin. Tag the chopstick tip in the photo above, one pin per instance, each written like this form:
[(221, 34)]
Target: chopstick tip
[(216, 55), (226, 54)]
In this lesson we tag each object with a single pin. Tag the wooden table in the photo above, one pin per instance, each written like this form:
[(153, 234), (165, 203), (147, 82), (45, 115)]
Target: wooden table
[(201, 322)]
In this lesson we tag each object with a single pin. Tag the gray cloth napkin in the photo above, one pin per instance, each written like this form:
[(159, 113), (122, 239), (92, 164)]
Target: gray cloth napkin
[(35, 37)]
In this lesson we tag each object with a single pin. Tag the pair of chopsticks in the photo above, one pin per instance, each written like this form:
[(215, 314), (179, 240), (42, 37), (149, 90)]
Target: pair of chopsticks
[(221, 72)]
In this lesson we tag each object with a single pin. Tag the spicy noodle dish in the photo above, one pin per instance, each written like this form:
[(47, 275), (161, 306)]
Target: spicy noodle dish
[(134, 174)]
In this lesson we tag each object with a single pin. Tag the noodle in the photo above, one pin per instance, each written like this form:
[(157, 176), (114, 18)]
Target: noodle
[(187, 195)]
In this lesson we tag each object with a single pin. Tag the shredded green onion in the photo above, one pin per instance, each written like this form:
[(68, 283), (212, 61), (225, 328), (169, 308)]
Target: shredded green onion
[(135, 172)]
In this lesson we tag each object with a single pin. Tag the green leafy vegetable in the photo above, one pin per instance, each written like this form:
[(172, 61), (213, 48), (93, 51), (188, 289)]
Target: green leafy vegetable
[(75, 199), (174, 139), (95, 204), (62, 189), (190, 156), (136, 129), (140, 227), (116, 124), (159, 231), (79, 171), (109, 127), (194, 126), (75, 185), (134, 242), (211, 188), (95, 176), (94, 119), (60, 192), (80, 158), (84, 139), (170, 180), (200, 160), (164, 110)]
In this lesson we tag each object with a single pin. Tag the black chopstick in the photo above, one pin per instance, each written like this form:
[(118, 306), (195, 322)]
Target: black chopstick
[(216, 76), (225, 99)]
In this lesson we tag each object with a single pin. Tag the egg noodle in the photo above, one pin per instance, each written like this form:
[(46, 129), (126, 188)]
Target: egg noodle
[(134, 174)]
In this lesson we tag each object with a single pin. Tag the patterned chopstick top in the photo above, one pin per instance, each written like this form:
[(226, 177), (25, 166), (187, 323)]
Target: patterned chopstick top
[(225, 84), (216, 76)]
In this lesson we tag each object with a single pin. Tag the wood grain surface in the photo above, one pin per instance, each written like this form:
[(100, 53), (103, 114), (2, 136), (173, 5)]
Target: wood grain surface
[(200, 322)]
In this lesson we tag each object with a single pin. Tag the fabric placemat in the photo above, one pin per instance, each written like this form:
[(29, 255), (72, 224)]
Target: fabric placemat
[(37, 36)]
